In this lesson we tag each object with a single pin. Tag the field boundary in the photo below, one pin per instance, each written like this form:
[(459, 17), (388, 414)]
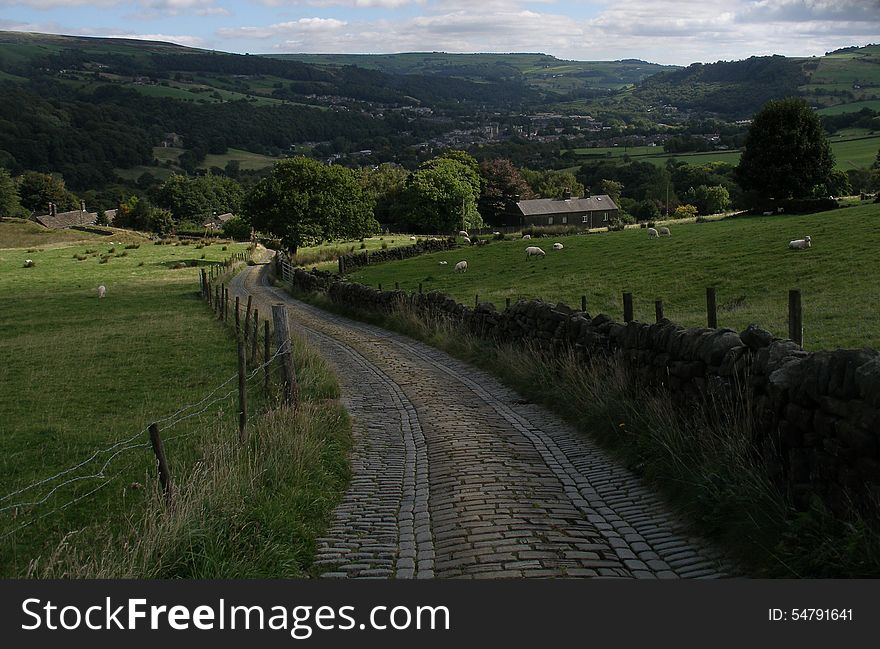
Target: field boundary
[(814, 414)]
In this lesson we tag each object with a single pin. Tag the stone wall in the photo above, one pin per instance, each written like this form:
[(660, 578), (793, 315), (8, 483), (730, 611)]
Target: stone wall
[(816, 415), (348, 263)]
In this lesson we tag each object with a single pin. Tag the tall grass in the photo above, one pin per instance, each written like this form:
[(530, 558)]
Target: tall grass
[(701, 456), (243, 511)]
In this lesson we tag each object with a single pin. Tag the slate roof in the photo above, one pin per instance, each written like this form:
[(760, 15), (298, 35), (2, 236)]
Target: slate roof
[(66, 219), (599, 203)]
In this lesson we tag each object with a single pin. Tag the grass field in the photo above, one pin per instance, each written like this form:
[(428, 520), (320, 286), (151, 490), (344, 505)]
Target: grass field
[(853, 107), (745, 258), (246, 159), (324, 256), (849, 152), (20, 233)]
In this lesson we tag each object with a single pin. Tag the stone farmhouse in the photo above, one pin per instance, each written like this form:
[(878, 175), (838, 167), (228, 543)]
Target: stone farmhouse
[(585, 212)]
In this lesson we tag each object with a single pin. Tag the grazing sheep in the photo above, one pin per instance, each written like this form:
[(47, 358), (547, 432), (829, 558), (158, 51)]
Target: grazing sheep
[(534, 251), (800, 244), (466, 240), (461, 267), (496, 233), (463, 233), (664, 232), (768, 213), (28, 263), (527, 236), (102, 291), (557, 246), (652, 233), (443, 263), (412, 238)]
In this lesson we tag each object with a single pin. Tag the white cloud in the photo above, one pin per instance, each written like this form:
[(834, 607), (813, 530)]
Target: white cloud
[(356, 4), (164, 7)]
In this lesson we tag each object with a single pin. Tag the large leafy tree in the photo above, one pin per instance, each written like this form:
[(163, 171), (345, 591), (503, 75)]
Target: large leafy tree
[(552, 184), (37, 190), (304, 202), (9, 200), (786, 152), (503, 186), (441, 196), (196, 198), (385, 184)]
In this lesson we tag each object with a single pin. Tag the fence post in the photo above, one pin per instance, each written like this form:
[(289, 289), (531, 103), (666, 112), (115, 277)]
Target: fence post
[(476, 300), (658, 309), (584, 303), (164, 473), (266, 343), (396, 286), (255, 336), (247, 320), (237, 318), (507, 303), (711, 308), (627, 307), (380, 286), (420, 287), (341, 265), (288, 372), (242, 392), (795, 317)]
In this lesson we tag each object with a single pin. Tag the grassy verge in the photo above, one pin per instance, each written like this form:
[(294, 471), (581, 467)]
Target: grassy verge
[(244, 511), (703, 464)]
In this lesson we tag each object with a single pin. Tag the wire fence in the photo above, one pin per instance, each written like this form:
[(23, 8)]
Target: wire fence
[(96, 467)]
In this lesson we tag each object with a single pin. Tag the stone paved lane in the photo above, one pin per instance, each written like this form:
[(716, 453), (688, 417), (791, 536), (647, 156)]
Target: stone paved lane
[(455, 476)]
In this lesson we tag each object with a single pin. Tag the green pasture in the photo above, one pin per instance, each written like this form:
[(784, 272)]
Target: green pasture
[(746, 258), (81, 373)]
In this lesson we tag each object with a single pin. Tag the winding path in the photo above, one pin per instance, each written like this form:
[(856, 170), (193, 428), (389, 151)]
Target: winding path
[(455, 475)]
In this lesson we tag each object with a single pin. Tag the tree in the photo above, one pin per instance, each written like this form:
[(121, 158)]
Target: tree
[(552, 184), (684, 212), (441, 196), (613, 189), (237, 228), (708, 200), (195, 199), (385, 185), (503, 186), (786, 153), (38, 190), (304, 202), (10, 204)]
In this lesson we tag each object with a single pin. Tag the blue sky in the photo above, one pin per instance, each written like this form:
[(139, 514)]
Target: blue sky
[(664, 31)]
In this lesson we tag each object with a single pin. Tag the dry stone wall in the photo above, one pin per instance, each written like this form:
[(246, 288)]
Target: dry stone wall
[(348, 263), (816, 414)]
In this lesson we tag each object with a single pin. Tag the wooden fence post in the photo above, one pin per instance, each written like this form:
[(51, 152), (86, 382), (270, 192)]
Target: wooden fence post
[(247, 319), (164, 472), (380, 286), (795, 317), (420, 287), (396, 286), (476, 300), (266, 357), (627, 307), (237, 317), (711, 308), (584, 303), (242, 392), (507, 303), (255, 337), (288, 372), (658, 309)]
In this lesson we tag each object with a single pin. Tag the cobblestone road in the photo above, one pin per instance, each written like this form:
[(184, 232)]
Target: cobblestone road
[(454, 475)]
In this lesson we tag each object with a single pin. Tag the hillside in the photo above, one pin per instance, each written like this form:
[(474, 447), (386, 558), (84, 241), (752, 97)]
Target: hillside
[(539, 71)]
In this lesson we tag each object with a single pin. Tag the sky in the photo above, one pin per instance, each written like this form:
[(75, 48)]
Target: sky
[(662, 31)]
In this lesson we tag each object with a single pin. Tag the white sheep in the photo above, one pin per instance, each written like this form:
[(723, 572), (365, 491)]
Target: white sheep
[(466, 240), (664, 232), (534, 251), (461, 267), (28, 263), (800, 244), (496, 233), (558, 246), (463, 233), (652, 233), (412, 238), (527, 236), (102, 291), (443, 263)]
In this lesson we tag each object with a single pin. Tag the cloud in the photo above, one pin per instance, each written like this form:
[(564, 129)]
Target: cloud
[(163, 7), (355, 4)]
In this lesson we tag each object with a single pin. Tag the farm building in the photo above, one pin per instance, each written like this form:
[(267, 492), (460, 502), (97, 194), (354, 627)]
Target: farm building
[(217, 221), (61, 220), (586, 212)]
